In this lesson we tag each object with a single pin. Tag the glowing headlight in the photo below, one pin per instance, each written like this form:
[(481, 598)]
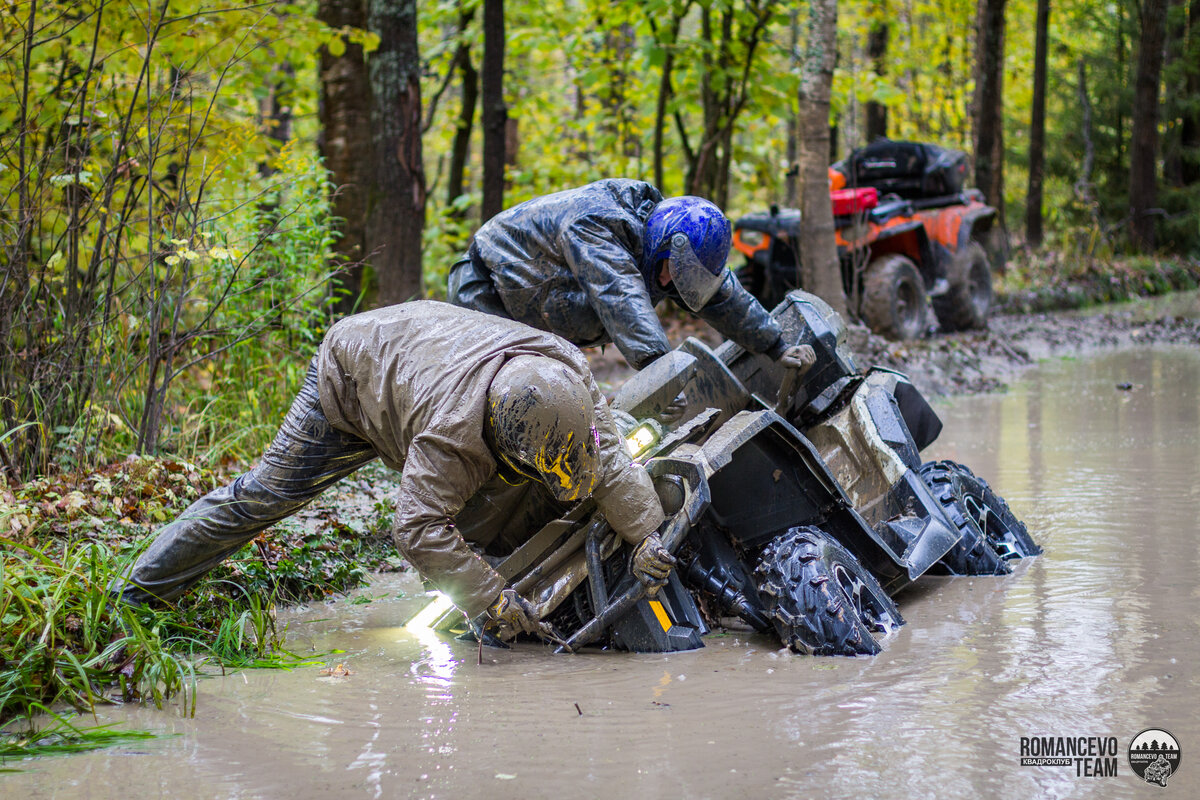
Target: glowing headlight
[(430, 613), (640, 439)]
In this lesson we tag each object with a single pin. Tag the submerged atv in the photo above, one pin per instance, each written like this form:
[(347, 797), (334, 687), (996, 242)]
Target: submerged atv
[(908, 236), (798, 508)]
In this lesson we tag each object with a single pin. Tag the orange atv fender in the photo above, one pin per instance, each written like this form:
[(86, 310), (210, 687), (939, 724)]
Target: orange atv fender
[(904, 235), (953, 226)]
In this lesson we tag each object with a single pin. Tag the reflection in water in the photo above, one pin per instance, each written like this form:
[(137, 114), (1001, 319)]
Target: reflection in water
[(1098, 637)]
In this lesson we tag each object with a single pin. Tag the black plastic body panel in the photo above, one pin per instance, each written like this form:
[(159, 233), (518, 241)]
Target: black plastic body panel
[(642, 631)]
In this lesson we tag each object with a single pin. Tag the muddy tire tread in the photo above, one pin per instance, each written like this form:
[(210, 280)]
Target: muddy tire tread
[(879, 301), (976, 554), (954, 309), (810, 612)]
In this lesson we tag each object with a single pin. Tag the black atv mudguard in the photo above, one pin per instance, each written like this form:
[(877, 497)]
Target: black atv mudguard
[(766, 477), (666, 623)]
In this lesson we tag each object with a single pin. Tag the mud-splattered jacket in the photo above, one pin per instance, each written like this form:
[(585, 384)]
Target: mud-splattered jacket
[(412, 379), (570, 263)]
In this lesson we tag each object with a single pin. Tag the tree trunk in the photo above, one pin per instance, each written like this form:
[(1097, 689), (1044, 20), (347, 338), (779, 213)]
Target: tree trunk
[(791, 178), (724, 91), (1037, 131), (1175, 104), (877, 42), (1083, 186), (495, 112), (461, 148), (1189, 136), (1144, 141), (820, 272), (345, 144), (989, 118), (664, 94), (660, 116), (396, 212)]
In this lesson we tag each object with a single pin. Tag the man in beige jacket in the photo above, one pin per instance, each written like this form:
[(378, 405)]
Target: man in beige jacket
[(456, 401)]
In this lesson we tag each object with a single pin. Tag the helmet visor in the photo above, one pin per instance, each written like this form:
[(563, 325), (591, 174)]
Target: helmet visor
[(695, 284), (569, 473), (572, 472)]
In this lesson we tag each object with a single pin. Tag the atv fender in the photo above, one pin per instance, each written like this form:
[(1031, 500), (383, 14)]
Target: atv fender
[(950, 227), (908, 238), (868, 446), (652, 389), (977, 219), (920, 521), (792, 486)]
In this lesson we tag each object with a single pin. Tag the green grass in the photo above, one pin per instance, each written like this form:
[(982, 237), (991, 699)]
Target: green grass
[(62, 738), (66, 646), (61, 642)]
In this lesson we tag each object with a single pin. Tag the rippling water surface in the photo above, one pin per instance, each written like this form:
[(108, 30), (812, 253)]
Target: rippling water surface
[(1098, 637)]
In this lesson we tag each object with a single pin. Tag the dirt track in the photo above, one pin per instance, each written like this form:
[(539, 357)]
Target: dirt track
[(983, 361)]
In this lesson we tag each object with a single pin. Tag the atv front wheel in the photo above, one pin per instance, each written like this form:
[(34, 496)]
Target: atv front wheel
[(822, 601), (966, 304), (992, 534), (894, 302)]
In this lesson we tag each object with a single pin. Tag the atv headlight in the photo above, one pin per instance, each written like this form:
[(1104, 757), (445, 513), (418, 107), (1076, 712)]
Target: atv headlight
[(431, 613), (641, 439)]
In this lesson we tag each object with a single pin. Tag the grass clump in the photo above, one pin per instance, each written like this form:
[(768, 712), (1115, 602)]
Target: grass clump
[(63, 642), (62, 738), (1051, 281)]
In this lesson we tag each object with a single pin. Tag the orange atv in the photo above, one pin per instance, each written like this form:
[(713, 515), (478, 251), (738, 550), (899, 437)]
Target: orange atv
[(908, 236)]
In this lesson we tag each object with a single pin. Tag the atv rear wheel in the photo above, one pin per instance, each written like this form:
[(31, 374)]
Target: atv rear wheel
[(753, 279), (969, 299), (992, 534), (894, 302), (822, 601)]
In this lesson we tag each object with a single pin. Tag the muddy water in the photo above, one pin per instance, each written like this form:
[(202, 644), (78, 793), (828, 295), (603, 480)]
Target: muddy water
[(1098, 637)]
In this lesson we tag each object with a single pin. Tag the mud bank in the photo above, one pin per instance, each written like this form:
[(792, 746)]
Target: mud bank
[(984, 361)]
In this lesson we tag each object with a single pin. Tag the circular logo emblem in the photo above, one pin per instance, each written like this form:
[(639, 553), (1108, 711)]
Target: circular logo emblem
[(1154, 756)]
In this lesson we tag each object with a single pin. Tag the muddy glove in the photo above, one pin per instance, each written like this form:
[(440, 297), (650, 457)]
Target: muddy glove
[(651, 563), (512, 614), (799, 357)]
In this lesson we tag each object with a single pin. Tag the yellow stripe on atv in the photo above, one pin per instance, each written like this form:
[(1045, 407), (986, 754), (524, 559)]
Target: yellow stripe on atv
[(661, 613)]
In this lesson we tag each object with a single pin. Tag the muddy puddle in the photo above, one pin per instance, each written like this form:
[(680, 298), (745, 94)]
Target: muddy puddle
[(1097, 638)]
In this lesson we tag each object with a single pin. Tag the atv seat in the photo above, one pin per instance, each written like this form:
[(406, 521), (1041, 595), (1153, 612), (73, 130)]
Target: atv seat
[(890, 206)]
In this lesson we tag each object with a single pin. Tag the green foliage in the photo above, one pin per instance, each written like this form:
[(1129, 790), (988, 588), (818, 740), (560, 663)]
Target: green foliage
[(61, 642), (153, 223), (63, 541), (61, 737)]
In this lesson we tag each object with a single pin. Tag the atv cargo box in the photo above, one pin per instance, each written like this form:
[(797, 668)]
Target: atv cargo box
[(909, 169)]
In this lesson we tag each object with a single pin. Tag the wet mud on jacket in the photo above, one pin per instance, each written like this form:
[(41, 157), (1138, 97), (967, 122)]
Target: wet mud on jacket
[(412, 379), (570, 263)]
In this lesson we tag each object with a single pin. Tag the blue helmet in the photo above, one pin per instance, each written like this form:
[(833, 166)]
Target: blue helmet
[(694, 236)]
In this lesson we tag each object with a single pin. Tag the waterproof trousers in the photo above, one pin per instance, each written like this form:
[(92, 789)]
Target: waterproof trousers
[(306, 457)]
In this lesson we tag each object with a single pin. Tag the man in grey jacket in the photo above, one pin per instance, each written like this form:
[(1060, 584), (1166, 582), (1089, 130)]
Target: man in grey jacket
[(456, 401), (590, 264)]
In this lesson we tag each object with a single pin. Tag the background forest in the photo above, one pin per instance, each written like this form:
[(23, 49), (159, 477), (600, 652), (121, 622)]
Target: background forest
[(192, 191)]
